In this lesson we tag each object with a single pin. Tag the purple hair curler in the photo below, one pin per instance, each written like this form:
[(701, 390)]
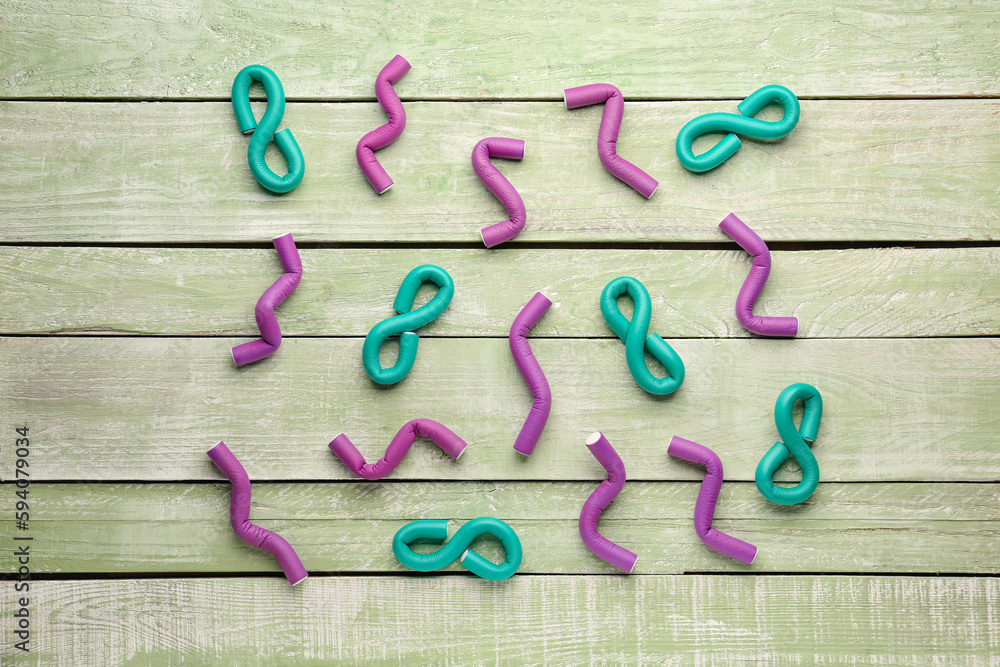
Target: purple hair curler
[(239, 516), (383, 135), (708, 494), (607, 136), (267, 323), (532, 373), (437, 433), (747, 239), (602, 496), (511, 149)]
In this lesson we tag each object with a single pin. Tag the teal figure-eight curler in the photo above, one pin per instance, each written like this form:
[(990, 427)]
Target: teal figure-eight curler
[(794, 442), (261, 134), (633, 334), (457, 547), (404, 324), (743, 123)]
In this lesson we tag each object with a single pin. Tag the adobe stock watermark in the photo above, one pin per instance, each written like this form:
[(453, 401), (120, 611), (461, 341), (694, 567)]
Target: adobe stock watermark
[(22, 541)]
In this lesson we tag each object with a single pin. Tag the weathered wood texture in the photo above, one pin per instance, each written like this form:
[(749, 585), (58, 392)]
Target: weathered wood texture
[(348, 527), (149, 408), (151, 173), (193, 49), (656, 620), (903, 343), (834, 293)]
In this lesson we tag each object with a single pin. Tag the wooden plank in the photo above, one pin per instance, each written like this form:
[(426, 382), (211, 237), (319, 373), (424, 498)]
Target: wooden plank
[(834, 293), (184, 49), (348, 527), (150, 173), (149, 409), (679, 620)]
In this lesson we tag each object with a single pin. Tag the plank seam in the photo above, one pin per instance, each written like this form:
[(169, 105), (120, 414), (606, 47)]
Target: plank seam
[(98, 99), (383, 574)]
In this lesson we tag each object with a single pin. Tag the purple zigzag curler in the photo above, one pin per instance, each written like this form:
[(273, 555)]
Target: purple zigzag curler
[(607, 135), (747, 239), (511, 149), (267, 323), (602, 496), (239, 516), (708, 494), (383, 135), (532, 373), (437, 433)]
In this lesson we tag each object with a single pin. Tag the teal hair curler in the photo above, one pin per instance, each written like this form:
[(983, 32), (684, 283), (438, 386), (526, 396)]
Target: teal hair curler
[(734, 124), (633, 334), (793, 443), (262, 133), (403, 325), (457, 547)]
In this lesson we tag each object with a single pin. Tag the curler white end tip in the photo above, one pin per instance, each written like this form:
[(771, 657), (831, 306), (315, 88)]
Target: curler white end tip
[(593, 438)]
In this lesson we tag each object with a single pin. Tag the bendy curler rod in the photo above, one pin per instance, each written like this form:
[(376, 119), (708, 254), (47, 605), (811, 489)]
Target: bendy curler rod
[(457, 548), (602, 496), (794, 442), (267, 323), (533, 311), (747, 239), (511, 149), (708, 494), (405, 323), (437, 433), (607, 136), (383, 135), (262, 133), (239, 516)]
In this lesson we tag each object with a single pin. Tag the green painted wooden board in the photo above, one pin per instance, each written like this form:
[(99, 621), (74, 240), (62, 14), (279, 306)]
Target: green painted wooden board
[(348, 527), (885, 171), (149, 408), (117, 131), (675, 620), (192, 49), (189, 291)]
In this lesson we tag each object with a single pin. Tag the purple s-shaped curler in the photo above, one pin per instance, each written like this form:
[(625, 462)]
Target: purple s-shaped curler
[(383, 135), (239, 516), (607, 135), (532, 373), (267, 323), (400, 444), (747, 239), (602, 496), (708, 494), (511, 149)]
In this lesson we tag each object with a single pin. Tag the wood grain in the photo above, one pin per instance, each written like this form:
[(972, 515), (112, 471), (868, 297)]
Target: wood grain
[(149, 408), (177, 49), (834, 293), (155, 173), (656, 620), (116, 130), (348, 527)]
